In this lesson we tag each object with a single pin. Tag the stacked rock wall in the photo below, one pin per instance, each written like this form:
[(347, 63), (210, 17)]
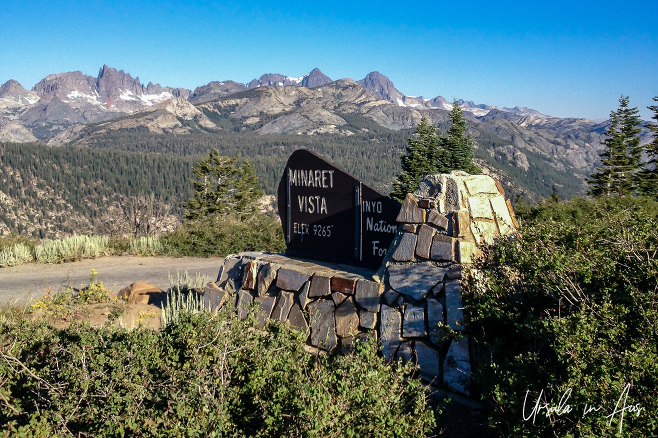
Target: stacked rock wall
[(413, 305), (442, 226), (335, 304)]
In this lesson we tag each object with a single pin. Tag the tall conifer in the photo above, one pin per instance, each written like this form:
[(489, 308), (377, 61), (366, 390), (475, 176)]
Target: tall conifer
[(456, 149), (619, 173), (222, 187), (649, 184), (420, 160)]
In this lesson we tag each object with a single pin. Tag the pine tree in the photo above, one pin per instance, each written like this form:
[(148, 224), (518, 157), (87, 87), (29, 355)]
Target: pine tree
[(619, 173), (649, 183), (222, 187), (456, 149), (420, 160)]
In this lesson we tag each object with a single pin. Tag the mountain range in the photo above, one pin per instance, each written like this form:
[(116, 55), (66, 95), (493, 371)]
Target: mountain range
[(65, 100), (78, 109)]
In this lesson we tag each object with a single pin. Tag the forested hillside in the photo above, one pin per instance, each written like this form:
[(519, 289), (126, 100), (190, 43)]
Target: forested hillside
[(46, 192), (54, 191)]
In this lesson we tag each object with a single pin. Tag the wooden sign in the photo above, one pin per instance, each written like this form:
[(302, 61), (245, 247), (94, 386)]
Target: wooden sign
[(328, 214)]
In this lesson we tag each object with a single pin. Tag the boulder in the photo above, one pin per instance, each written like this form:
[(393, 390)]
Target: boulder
[(141, 292)]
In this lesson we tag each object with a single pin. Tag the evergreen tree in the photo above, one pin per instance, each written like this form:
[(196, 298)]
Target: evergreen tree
[(222, 187), (619, 173), (420, 160), (456, 149), (649, 184)]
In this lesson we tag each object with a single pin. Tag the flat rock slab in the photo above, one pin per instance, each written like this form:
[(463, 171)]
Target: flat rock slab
[(250, 275), (320, 286), (343, 285), (232, 269), (414, 322), (367, 294), (438, 219), (415, 280), (296, 319), (435, 319), (266, 276), (428, 360), (244, 301), (454, 307), (443, 248), (406, 248), (347, 319), (290, 280), (390, 329), (323, 324), (265, 306), (410, 212), (367, 320), (457, 367), (425, 236), (213, 297), (283, 306)]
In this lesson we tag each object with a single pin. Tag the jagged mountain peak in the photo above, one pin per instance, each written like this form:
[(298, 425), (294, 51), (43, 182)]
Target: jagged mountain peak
[(310, 80), (12, 88), (315, 79), (381, 86)]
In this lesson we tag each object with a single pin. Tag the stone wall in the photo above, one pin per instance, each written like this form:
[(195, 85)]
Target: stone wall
[(413, 304), (442, 226)]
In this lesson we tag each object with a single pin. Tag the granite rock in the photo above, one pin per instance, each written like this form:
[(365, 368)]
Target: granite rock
[(414, 322), (367, 294), (347, 319), (290, 280), (320, 286), (389, 331), (415, 280), (404, 252), (283, 305), (323, 324)]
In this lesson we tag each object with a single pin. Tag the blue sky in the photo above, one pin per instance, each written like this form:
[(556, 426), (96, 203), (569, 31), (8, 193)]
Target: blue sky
[(568, 59)]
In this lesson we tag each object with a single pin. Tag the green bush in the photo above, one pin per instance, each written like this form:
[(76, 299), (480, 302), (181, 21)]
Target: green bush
[(206, 375), (571, 309), (219, 236)]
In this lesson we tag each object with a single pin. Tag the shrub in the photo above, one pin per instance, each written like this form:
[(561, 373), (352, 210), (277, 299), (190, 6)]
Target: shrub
[(145, 245), (219, 236), (206, 375), (70, 249), (571, 309), (15, 255)]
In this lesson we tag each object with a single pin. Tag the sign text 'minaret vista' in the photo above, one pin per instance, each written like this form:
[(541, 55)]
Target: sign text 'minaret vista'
[(328, 214)]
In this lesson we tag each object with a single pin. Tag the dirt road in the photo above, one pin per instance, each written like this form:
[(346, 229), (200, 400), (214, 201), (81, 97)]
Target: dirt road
[(28, 281)]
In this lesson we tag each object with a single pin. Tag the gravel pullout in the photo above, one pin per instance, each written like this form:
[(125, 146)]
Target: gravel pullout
[(21, 283)]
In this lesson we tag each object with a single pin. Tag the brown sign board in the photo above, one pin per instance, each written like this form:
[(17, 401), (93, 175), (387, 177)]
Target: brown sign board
[(327, 214)]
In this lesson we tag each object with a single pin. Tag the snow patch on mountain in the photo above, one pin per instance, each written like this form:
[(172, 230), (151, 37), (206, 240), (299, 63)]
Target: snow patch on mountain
[(91, 98)]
